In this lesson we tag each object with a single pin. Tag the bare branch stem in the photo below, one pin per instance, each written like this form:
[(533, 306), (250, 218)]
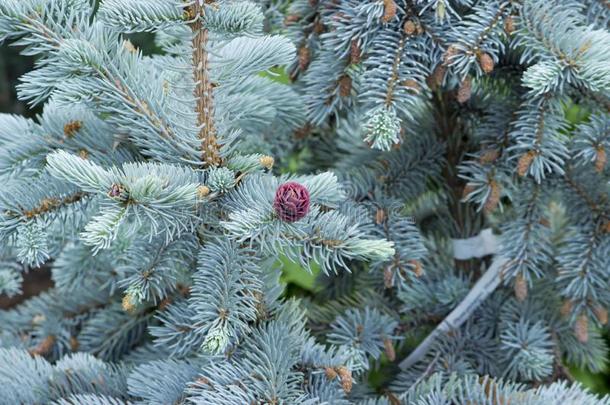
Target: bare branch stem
[(203, 88)]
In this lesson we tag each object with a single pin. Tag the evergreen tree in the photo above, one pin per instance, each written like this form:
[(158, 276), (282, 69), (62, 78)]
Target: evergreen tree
[(456, 220)]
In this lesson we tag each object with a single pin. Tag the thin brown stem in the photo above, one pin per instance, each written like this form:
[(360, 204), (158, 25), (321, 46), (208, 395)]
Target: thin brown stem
[(203, 88)]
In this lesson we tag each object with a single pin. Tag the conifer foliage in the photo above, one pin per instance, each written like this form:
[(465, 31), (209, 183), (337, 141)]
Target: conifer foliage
[(155, 189)]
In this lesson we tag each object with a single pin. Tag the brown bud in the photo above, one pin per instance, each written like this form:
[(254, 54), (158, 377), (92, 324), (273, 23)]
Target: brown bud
[(346, 378), (494, 196), (345, 86), (449, 54), (416, 267), (493, 390), (330, 372), (74, 345), (525, 161), (38, 319), (164, 304), (355, 55), (566, 308), (127, 303), (468, 188), (290, 19), (411, 84), (389, 10), (188, 14), (318, 27), (581, 329), (44, 347), (389, 349), (486, 62), (545, 222), (394, 400), (388, 277), (304, 57), (203, 191), (600, 159), (409, 27), (129, 46), (509, 24), (303, 132), (520, 288), (116, 190), (265, 161), (601, 314), (83, 154), (606, 227), (436, 78), (464, 91), (72, 127), (203, 381), (489, 156), (379, 216), (340, 17)]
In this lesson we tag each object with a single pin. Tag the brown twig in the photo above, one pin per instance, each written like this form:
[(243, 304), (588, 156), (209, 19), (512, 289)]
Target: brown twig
[(203, 87)]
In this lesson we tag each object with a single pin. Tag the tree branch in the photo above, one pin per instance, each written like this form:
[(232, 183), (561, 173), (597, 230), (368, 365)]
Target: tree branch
[(203, 87)]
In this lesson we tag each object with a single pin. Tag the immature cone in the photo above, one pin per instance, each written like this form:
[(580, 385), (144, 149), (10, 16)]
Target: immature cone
[(600, 159), (581, 329), (389, 11), (486, 62), (291, 201), (525, 161), (346, 378), (464, 91), (520, 288)]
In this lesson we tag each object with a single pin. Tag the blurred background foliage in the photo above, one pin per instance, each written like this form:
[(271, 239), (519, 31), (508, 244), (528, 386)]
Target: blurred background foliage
[(299, 282)]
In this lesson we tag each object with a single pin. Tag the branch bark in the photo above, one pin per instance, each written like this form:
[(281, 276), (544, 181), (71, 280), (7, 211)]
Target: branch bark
[(203, 88)]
